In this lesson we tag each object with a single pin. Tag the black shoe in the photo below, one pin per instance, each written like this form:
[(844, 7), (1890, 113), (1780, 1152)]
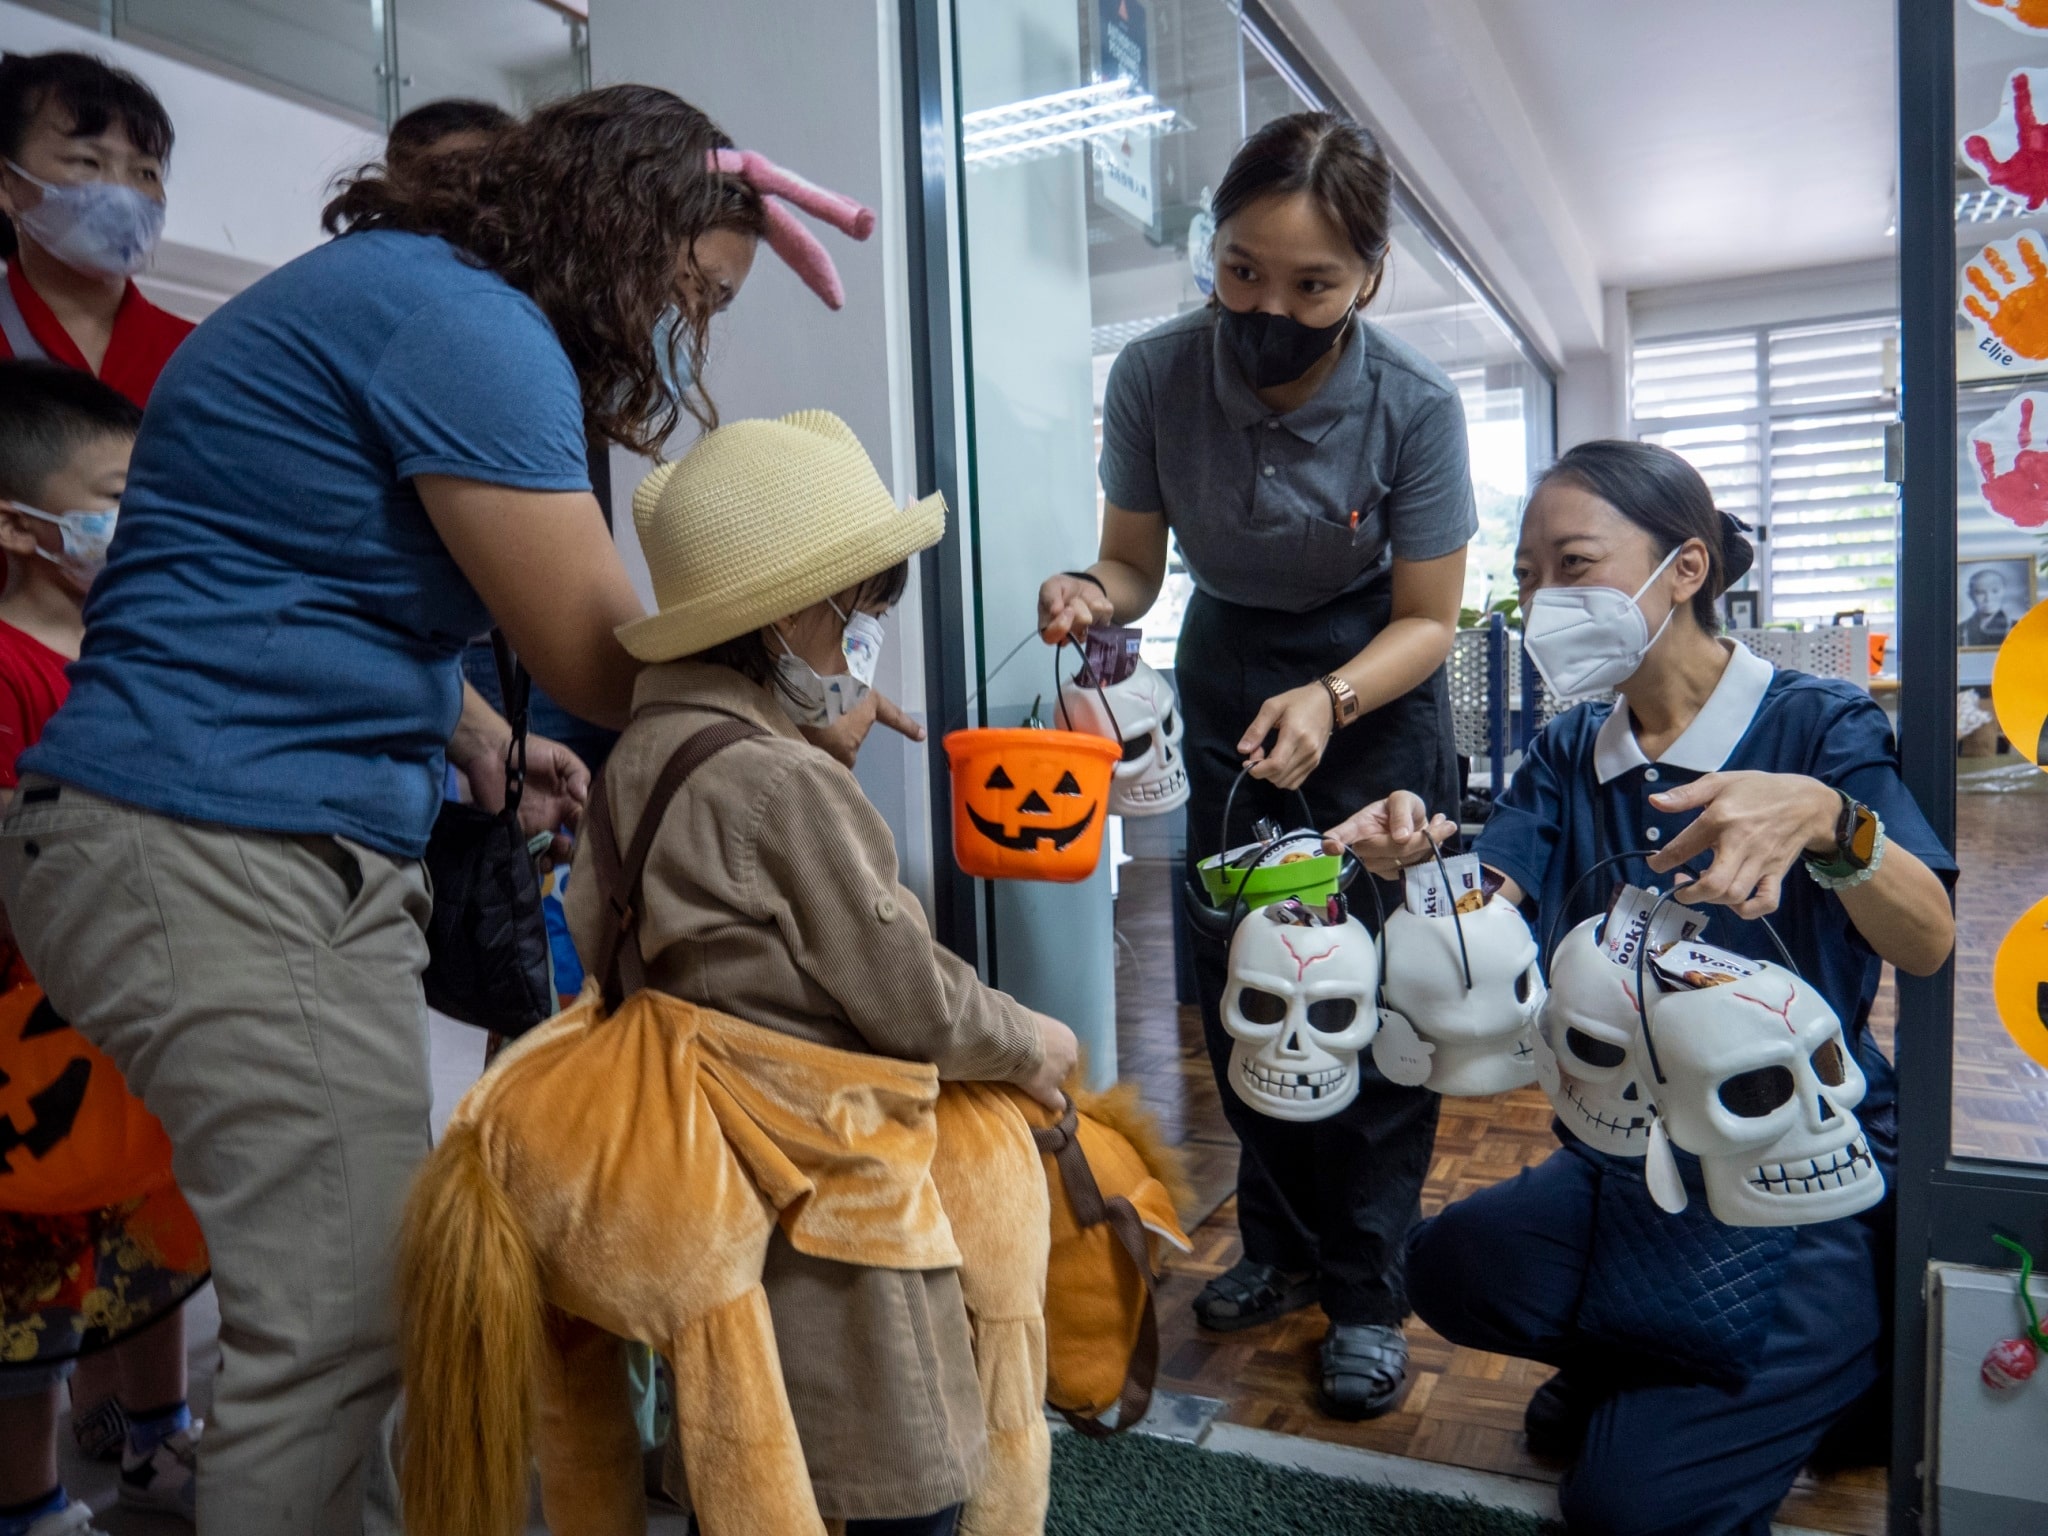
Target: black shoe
[(1248, 1294), (1555, 1420), (1364, 1366)]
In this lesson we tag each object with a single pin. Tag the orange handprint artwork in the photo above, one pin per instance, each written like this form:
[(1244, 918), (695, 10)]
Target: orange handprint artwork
[(2011, 314), (2011, 152), (2019, 492), (2020, 15)]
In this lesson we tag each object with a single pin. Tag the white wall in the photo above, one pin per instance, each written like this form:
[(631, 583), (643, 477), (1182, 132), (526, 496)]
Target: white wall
[(1593, 387), (248, 175), (1773, 298), (816, 91)]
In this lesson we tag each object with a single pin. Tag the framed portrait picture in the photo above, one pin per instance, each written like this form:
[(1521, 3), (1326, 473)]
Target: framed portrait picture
[(1743, 610), (1992, 594)]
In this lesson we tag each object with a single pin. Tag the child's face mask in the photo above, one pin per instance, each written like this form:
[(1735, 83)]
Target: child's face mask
[(672, 353), (86, 536), (816, 700)]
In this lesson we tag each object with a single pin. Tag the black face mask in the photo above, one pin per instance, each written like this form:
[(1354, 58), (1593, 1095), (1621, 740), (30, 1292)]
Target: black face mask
[(1276, 349)]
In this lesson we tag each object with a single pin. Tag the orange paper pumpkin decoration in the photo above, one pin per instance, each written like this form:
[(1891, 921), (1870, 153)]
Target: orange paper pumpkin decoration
[(2019, 686), (1029, 804), (72, 1137), (2019, 982)]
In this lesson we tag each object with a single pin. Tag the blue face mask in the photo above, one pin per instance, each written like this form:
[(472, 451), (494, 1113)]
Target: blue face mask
[(672, 353), (93, 226), (86, 536)]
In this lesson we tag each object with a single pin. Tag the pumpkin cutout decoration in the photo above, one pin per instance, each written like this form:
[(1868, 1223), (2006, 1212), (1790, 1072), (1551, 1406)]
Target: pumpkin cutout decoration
[(72, 1137), (96, 1242), (1029, 804)]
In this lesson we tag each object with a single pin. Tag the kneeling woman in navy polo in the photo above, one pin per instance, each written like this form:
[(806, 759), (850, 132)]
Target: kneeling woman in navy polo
[(1700, 1365)]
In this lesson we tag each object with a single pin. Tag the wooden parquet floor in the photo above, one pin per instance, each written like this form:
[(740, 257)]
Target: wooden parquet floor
[(1463, 1407)]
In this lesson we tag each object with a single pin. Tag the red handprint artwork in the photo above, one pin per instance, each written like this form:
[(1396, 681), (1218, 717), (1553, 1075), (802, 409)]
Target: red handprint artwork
[(2020, 15), (2023, 172), (2011, 315), (2019, 492)]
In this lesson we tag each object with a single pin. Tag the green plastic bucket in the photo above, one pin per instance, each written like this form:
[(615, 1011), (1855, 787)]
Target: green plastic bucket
[(1313, 879)]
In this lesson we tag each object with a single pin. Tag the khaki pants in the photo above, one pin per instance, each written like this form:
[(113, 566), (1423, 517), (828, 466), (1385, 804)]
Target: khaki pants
[(261, 994)]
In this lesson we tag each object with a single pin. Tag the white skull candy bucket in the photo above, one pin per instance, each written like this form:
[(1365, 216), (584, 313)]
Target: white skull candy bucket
[(1300, 1008), (1755, 1078), (1582, 1039), (1469, 986), (1144, 716)]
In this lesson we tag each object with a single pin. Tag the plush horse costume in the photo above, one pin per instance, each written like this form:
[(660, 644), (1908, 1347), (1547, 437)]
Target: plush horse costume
[(619, 1174)]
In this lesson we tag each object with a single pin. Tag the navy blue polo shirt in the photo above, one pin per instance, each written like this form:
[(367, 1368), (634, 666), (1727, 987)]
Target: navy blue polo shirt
[(1583, 794)]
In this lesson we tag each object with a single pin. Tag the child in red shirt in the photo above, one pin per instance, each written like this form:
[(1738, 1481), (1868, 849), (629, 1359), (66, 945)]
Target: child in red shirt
[(65, 439)]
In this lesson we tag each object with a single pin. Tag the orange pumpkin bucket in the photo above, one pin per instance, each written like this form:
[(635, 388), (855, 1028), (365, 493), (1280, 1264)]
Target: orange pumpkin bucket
[(1029, 804)]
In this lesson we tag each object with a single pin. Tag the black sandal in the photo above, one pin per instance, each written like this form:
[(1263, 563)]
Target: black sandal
[(1364, 1366), (1249, 1293)]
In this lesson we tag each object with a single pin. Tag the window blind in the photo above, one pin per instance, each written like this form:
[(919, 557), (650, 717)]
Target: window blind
[(1787, 426)]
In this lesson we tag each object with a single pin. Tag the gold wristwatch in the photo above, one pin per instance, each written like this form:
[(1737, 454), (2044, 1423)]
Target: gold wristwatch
[(1344, 705)]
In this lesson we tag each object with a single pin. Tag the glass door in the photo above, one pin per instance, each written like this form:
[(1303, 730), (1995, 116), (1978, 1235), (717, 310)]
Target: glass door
[(1092, 134), (1972, 1042)]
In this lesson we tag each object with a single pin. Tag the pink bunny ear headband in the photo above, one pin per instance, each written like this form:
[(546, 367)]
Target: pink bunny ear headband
[(789, 239)]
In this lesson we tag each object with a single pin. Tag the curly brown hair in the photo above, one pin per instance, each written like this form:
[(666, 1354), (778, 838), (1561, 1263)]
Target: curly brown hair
[(585, 206)]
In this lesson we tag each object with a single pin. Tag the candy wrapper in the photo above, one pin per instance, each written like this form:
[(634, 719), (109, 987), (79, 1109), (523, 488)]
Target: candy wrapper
[(1690, 966), (1630, 916), (1110, 653), (1429, 894)]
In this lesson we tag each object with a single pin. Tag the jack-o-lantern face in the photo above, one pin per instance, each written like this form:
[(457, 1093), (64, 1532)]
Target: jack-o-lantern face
[(1028, 804), (1036, 819), (34, 1125), (72, 1138)]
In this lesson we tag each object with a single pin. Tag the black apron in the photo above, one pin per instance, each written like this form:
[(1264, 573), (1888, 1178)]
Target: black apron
[(1334, 1196)]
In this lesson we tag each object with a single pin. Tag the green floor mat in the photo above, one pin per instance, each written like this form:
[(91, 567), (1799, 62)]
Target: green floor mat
[(1138, 1486)]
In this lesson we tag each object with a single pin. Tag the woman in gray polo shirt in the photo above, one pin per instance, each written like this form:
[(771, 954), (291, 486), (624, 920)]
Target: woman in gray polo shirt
[(1314, 471)]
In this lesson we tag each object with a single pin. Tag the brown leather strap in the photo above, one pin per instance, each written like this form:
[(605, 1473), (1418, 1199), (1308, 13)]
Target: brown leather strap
[(1062, 1143), (617, 963)]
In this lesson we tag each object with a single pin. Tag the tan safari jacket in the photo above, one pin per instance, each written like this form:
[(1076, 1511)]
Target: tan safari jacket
[(772, 894)]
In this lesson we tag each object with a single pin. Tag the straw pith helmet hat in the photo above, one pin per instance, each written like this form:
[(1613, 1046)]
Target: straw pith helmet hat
[(760, 520)]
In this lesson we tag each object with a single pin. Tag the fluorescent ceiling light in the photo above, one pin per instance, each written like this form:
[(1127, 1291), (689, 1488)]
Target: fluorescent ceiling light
[(1987, 206), (1042, 125)]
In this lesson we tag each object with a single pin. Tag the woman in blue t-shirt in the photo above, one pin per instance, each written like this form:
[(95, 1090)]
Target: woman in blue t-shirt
[(373, 454), (1700, 1365)]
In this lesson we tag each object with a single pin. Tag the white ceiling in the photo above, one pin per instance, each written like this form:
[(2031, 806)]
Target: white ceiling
[(1701, 141)]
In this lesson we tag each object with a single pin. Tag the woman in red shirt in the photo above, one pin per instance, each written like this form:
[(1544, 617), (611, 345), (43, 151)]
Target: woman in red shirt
[(83, 149)]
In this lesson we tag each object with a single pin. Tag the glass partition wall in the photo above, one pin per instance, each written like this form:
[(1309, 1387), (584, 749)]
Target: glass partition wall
[(1091, 135), (373, 59)]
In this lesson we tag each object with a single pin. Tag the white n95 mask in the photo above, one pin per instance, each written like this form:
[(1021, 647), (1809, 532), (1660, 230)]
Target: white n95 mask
[(1585, 640)]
